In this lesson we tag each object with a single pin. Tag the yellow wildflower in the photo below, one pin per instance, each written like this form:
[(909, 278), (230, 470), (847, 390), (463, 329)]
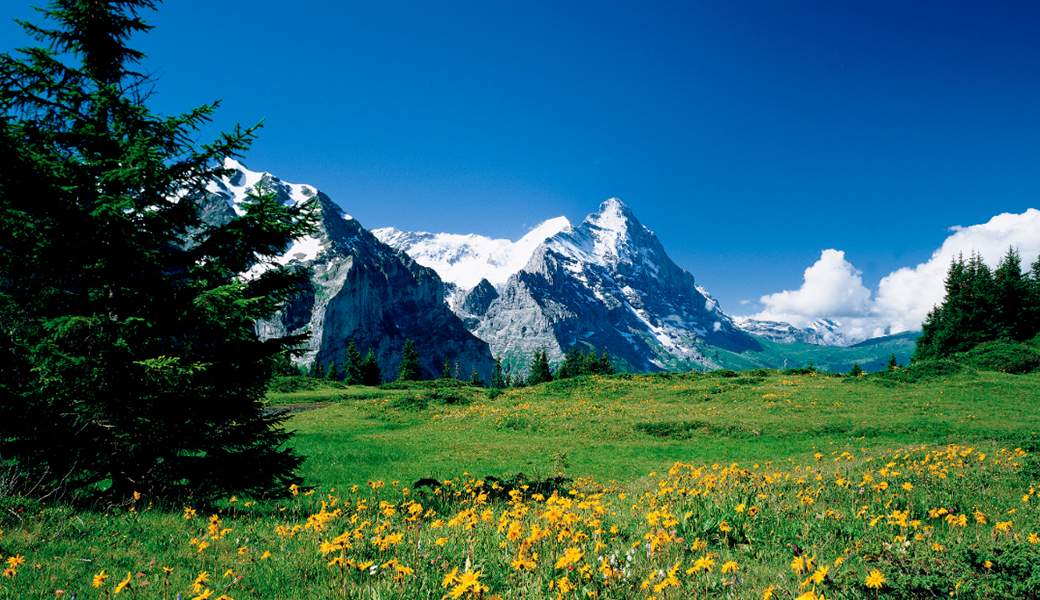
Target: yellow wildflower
[(875, 579), (122, 584)]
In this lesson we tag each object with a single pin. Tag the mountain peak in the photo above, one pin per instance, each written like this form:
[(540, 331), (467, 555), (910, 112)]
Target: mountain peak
[(467, 259), (613, 214)]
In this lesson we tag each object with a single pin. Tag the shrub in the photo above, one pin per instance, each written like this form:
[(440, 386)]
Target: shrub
[(1009, 357)]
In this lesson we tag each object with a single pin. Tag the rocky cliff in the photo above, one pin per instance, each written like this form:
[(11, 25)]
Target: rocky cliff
[(608, 285), (361, 289)]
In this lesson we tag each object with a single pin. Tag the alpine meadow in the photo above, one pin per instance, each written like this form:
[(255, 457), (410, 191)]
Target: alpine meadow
[(216, 385)]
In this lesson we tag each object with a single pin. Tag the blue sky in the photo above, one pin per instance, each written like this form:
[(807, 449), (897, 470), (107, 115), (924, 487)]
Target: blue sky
[(750, 136)]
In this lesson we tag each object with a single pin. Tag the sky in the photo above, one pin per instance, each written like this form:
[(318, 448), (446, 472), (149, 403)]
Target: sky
[(803, 159)]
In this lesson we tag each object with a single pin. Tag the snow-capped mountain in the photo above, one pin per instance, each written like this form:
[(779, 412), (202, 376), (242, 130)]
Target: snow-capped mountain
[(821, 332), (609, 285), (465, 260), (361, 289)]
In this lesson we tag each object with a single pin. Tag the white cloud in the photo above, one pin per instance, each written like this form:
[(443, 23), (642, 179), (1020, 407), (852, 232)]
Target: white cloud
[(834, 290)]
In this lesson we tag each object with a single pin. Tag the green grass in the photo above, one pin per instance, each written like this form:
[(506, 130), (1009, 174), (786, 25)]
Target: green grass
[(661, 473), (621, 427)]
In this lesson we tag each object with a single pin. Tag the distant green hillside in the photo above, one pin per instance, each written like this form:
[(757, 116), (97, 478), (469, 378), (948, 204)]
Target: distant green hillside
[(870, 355)]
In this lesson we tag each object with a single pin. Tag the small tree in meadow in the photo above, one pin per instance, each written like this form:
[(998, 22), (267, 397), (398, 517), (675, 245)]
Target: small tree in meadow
[(352, 365), (409, 369), (371, 374), (540, 371)]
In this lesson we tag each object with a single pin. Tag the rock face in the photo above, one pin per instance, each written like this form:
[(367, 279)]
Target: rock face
[(361, 289), (607, 285)]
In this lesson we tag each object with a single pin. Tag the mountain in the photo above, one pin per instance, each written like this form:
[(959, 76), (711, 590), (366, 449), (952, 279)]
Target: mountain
[(821, 332), (360, 288), (607, 285), (465, 260), (870, 355)]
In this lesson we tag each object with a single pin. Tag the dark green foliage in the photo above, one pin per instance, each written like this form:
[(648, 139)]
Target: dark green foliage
[(1009, 357), (540, 372), (128, 353), (1012, 301), (685, 430), (498, 381), (576, 363), (919, 371), (352, 365), (408, 369), (475, 379), (981, 306), (370, 371), (333, 373), (892, 363), (319, 370), (446, 371), (855, 371)]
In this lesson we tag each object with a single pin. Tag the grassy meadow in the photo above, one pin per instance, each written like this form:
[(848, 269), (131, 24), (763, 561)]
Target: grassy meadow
[(913, 483)]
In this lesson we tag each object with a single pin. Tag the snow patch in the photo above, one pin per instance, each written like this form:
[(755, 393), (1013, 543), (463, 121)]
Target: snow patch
[(466, 259)]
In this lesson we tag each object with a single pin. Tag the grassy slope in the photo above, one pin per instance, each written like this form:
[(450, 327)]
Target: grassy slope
[(871, 355), (827, 461), (624, 427)]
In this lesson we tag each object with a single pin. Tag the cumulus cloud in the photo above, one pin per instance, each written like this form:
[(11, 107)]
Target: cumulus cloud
[(833, 288)]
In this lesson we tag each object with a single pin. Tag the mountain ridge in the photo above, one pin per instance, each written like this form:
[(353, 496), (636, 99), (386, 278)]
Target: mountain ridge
[(360, 288)]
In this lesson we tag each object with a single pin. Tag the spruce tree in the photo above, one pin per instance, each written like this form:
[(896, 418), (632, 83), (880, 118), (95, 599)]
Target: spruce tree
[(371, 375), (497, 378), (446, 371), (1012, 299), (540, 372), (408, 369), (979, 306), (352, 365), (1032, 312), (475, 379), (127, 336)]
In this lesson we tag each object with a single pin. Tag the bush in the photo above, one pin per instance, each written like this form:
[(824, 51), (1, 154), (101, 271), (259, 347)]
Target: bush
[(1008, 357), (922, 370)]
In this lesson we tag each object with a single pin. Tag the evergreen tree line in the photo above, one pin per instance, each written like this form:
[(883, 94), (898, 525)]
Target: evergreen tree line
[(575, 363), (354, 370), (982, 305)]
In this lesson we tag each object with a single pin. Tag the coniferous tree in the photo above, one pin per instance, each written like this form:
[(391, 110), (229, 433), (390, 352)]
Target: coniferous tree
[(352, 365), (577, 362), (408, 369), (891, 364), (371, 374), (1012, 300), (980, 305), (498, 380), (540, 372), (446, 371), (127, 336), (319, 369), (1032, 312), (475, 379)]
